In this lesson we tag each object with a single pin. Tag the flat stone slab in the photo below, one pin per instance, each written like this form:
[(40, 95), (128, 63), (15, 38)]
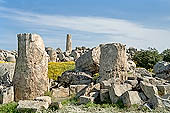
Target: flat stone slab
[(34, 105)]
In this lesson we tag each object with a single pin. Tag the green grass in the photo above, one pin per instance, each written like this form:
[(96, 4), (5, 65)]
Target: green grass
[(72, 100), (55, 69), (9, 108)]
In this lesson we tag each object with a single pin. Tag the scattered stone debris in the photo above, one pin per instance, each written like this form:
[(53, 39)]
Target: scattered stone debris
[(118, 81)]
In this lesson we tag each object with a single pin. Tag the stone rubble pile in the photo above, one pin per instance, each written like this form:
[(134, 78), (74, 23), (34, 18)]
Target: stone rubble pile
[(59, 56), (118, 78), (8, 56)]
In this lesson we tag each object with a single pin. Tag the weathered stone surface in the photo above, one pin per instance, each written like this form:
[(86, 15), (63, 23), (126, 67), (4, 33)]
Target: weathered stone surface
[(132, 82), (75, 54), (10, 58), (149, 89), (104, 95), (131, 66), (44, 99), (53, 55), (68, 43), (106, 84), (161, 67), (33, 105), (85, 99), (163, 89), (61, 56), (117, 90), (113, 61), (60, 92), (89, 61), (142, 72), (130, 97), (30, 78), (74, 89), (6, 73), (6, 95), (74, 78), (88, 89)]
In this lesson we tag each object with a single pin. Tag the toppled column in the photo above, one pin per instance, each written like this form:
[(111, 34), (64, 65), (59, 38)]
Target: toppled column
[(68, 43), (113, 61), (30, 78), (89, 61)]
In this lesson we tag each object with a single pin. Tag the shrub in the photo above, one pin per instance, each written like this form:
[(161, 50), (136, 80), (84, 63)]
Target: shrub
[(147, 58), (8, 108), (55, 69), (166, 55)]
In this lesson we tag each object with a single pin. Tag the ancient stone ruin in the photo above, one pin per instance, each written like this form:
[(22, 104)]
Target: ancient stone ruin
[(68, 43), (113, 61), (30, 79), (103, 74)]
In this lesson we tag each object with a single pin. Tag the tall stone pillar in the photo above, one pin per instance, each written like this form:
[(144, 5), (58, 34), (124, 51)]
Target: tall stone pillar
[(68, 43), (113, 61), (30, 78)]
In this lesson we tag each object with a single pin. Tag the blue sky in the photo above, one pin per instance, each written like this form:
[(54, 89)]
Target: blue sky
[(138, 23)]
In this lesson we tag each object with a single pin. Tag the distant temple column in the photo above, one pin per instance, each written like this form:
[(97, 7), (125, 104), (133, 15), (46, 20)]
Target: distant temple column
[(68, 43)]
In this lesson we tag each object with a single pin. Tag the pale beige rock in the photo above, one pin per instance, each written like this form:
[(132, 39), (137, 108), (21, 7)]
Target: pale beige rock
[(30, 78), (33, 105), (117, 90), (130, 98), (113, 61), (68, 43), (89, 61), (74, 89), (60, 92), (6, 95)]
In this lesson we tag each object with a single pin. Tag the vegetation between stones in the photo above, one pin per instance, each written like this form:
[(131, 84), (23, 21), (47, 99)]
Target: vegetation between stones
[(55, 69)]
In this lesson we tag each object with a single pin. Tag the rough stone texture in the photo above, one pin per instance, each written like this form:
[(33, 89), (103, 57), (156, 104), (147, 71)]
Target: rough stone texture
[(106, 84), (89, 61), (44, 99), (60, 92), (74, 78), (104, 95), (75, 54), (30, 78), (117, 90), (11, 58), (161, 67), (162, 70), (132, 82), (53, 55), (149, 89), (88, 89), (163, 89), (113, 61), (142, 72), (6, 73), (6, 95), (131, 97), (68, 43), (74, 89), (33, 105), (85, 99), (131, 66)]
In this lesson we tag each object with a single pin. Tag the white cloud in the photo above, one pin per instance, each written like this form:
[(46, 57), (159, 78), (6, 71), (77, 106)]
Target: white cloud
[(119, 30)]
